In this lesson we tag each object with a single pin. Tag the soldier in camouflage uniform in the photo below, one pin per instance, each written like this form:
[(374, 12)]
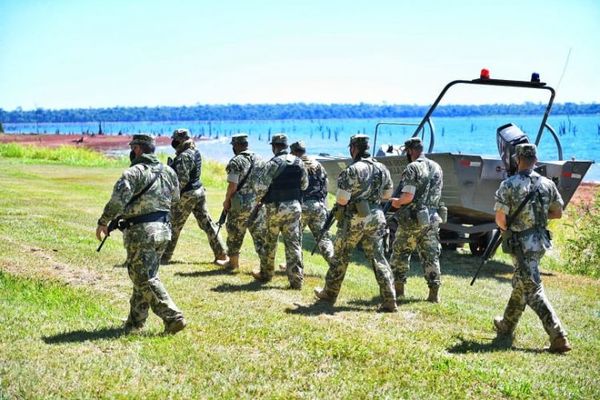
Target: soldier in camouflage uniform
[(188, 166), (361, 188), (527, 240), (314, 206), (285, 177), (418, 220), (142, 197), (243, 171)]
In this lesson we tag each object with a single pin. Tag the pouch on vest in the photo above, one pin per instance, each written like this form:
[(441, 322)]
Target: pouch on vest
[(443, 213), (423, 217), (508, 242), (362, 208), (236, 202)]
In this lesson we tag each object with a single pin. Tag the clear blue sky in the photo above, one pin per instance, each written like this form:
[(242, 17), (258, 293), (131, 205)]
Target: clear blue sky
[(63, 54)]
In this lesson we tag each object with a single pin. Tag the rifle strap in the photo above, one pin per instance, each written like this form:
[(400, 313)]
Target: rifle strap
[(245, 178), (529, 196), (146, 188)]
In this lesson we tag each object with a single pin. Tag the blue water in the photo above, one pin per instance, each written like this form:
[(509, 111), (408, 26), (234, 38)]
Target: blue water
[(579, 135)]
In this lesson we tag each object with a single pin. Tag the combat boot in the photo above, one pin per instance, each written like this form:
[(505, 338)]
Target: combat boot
[(559, 345), (322, 295), (501, 327), (173, 327), (131, 327), (399, 287), (434, 296), (230, 264), (388, 307), (258, 275), (222, 260)]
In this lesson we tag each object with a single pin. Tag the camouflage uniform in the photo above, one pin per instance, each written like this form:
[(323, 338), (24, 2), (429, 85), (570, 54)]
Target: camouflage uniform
[(423, 178), (284, 216), (188, 166), (245, 201), (369, 180), (531, 241), (145, 242), (314, 206)]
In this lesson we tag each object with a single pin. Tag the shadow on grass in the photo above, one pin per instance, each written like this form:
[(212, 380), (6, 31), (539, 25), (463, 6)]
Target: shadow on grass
[(498, 343), (210, 272), (376, 301), (253, 286), (322, 308), (83, 335)]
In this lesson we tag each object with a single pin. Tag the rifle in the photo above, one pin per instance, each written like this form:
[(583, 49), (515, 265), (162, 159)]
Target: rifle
[(326, 226), (222, 220), (112, 225), (396, 193), (497, 238)]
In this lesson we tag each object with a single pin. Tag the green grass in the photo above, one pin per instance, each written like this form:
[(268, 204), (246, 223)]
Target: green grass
[(61, 304)]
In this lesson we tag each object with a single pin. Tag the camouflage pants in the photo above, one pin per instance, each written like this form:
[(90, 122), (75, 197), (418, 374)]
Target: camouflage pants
[(194, 202), (144, 244), (314, 214), (351, 231), (426, 241), (237, 223), (284, 218), (528, 290)]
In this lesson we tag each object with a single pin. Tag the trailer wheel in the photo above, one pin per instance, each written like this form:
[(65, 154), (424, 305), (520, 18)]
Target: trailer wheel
[(480, 243)]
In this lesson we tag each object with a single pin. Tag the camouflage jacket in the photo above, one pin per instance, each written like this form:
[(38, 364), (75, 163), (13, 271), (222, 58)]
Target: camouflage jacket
[(135, 179), (238, 167), (424, 179), (513, 191), (365, 179), (317, 179), (187, 164), (271, 169)]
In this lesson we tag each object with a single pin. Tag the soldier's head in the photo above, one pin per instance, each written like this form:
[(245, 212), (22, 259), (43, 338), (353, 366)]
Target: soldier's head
[(278, 142), (239, 143), (359, 146), (179, 136), (298, 148), (141, 144), (413, 148), (526, 155)]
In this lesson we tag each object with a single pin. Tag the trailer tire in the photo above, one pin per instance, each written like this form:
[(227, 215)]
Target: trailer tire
[(480, 243)]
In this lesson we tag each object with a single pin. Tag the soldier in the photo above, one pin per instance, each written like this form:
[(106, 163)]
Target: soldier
[(188, 166), (314, 206), (526, 241), (142, 197), (286, 178), (361, 188), (243, 171), (418, 219)]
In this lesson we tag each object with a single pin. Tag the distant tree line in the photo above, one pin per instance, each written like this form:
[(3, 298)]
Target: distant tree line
[(281, 111)]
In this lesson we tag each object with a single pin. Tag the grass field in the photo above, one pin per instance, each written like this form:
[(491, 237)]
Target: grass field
[(61, 306)]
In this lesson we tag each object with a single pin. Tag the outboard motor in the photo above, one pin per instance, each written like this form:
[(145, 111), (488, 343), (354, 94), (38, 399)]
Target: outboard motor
[(508, 137)]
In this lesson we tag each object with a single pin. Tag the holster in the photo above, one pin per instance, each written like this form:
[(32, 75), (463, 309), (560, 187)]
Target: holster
[(509, 242)]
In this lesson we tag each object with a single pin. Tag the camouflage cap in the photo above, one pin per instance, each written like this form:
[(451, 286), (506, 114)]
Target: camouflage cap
[(240, 138), (142, 139), (359, 139), (527, 150), (181, 134), (279, 138), (413, 142), (298, 146)]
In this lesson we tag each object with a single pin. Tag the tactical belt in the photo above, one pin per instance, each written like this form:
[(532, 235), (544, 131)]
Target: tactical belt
[(189, 187), (525, 232), (156, 216)]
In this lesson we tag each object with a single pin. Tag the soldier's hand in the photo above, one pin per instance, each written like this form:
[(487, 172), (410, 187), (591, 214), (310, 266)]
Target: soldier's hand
[(227, 205), (101, 229), (396, 202)]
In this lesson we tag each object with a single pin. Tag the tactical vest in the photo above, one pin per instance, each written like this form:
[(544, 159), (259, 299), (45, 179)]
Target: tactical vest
[(286, 186), (422, 198), (316, 184), (194, 181)]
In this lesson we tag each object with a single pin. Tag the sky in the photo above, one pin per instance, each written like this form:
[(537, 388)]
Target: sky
[(80, 54)]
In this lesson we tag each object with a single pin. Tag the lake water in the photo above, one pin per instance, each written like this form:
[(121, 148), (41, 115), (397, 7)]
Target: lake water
[(579, 135)]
